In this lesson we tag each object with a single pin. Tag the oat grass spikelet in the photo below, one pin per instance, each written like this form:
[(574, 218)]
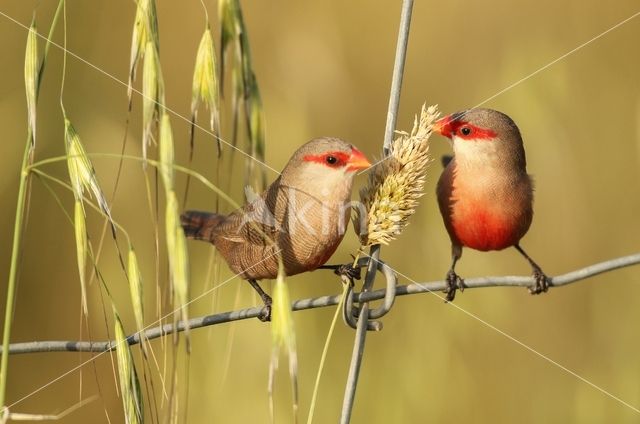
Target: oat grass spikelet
[(283, 337), (82, 250), (135, 288), (205, 81), (129, 382), (145, 30), (396, 183), (31, 78)]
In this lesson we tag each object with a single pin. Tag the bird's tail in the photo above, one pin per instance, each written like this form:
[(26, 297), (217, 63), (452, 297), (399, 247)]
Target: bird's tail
[(200, 225)]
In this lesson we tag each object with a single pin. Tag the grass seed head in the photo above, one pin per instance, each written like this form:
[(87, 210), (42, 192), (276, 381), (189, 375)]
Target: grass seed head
[(205, 80), (150, 94), (396, 184), (129, 382), (166, 151), (145, 29), (82, 248), (81, 172), (178, 259), (31, 78), (135, 286)]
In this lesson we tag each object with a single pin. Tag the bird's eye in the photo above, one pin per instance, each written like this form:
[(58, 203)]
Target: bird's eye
[(331, 160), (465, 130)]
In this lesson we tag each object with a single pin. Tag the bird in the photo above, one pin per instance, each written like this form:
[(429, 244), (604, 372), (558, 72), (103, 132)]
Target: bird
[(301, 217), (484, 193)]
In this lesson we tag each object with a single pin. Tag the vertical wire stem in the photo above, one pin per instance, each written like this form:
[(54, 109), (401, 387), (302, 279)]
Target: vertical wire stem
[(392, 115)]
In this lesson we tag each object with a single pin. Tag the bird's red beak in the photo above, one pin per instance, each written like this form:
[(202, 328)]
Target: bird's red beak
[(443, 126), (357, 160)]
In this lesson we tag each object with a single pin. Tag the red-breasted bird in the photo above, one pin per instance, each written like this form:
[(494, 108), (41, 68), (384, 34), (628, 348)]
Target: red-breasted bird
[(304, 213), (484, 193)]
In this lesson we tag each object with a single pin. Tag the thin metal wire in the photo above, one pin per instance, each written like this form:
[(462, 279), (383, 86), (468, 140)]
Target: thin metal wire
[(364, 315), (354, 369), (351, 312), (325, 301)]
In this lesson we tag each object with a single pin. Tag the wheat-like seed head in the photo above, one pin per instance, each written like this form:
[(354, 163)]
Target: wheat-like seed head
[(205, 81), (396, 183)]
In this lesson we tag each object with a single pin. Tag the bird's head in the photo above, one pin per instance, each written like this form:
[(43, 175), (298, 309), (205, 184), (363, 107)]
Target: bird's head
[(482, 135), (325, 164), (332, 155), (324, 157)]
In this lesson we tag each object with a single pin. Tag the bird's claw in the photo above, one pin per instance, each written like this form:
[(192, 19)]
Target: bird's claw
[(542, 282), (349, 271), (454, 282), (265, 313)]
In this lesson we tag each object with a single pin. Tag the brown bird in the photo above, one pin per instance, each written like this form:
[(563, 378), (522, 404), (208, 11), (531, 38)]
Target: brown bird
[(301, 216), (484, 193)]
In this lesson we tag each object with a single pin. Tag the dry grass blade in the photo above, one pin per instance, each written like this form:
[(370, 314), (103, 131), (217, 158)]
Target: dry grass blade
[(283, 336), (151, 95), (31, 72), (166, 152), (81, 172), (396, 183), (129, 382), (178, 259), (82, 248), (145, 29), (135, 287), (205, 82)]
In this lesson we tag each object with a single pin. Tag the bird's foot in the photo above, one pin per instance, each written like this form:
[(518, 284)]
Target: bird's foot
[(542, 282), (265, 314), (349, 271), (454, 282)]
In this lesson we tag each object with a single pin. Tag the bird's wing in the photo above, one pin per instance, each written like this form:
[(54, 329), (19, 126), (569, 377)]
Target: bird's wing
[(253, 223)]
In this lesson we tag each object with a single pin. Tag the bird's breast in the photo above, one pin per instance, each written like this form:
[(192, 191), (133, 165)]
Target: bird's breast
[(485, 228), (486, 213)]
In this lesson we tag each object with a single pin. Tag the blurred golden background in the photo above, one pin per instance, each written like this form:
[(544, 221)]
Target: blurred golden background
[(324, 68)]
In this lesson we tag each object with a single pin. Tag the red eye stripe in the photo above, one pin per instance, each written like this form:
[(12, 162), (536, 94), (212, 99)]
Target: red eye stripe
[(341, 159), (472, 132)]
